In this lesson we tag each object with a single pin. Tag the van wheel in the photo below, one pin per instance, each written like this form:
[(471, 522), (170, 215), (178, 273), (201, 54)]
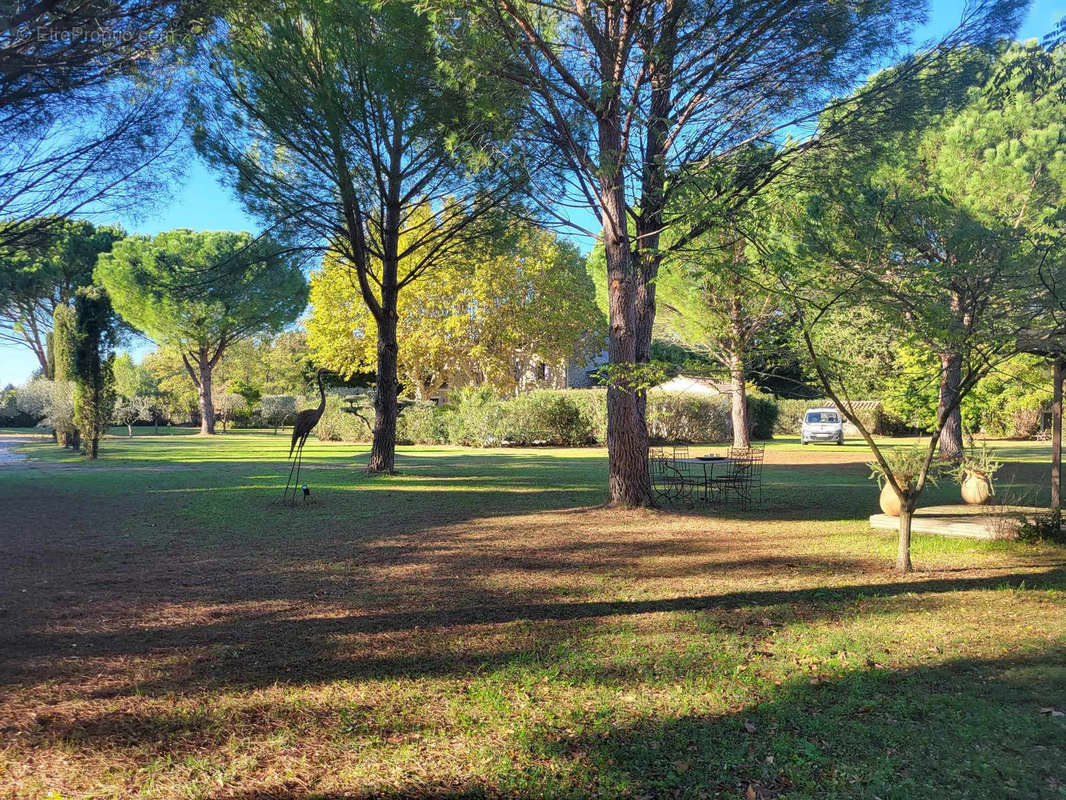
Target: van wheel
[(840, 441)]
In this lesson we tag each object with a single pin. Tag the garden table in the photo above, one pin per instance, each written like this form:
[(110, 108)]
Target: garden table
[(707, 466)]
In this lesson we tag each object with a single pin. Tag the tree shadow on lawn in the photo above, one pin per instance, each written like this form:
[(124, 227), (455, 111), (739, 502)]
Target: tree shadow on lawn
[(974, 728), (256, 650), (966, 728)]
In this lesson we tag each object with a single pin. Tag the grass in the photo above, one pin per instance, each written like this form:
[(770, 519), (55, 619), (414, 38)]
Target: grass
[(480, 626)]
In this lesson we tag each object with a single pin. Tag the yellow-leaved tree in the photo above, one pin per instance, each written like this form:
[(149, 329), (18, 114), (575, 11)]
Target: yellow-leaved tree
[(488, 315)]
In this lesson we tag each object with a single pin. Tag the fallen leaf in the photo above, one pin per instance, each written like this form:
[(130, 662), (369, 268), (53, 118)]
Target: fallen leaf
[(750, 794), (749, 726)]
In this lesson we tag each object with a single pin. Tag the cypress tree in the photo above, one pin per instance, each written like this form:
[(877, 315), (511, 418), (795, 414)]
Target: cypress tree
[(94, 393), (62, 357)]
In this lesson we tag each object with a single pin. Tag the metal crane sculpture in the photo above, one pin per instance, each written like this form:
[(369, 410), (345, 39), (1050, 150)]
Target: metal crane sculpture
[(301, 429)]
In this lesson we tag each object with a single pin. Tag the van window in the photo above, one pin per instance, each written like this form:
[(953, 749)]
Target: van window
[(823, 416)]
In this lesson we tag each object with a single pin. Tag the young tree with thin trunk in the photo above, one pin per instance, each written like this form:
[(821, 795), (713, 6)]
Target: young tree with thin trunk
[(820, 279), (713, 300), (337, 122), (129, 410), (227, 405), (908, 245), (640, 98), (199, 293), (277, 409)]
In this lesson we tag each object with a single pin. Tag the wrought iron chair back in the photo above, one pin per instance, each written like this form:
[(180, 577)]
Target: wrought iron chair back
[(744, 478), (666, 481)]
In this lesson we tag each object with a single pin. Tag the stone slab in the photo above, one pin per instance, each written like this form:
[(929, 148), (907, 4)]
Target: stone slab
[(969, 522)]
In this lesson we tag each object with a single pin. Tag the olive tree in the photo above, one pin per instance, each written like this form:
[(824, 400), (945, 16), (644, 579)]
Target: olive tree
[(128, 410), (277, 408)]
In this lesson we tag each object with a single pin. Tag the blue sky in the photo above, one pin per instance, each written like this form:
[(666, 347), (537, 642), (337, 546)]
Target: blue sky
[(200, 202)]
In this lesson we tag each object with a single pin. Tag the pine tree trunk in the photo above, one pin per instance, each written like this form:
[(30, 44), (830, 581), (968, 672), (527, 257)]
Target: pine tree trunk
[(383, 449), (207, 407), (950, 378), (903, 553), (741, 437), (629, 482)]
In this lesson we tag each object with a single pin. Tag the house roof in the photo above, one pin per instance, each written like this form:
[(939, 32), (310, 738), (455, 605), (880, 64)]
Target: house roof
[(692, 383)]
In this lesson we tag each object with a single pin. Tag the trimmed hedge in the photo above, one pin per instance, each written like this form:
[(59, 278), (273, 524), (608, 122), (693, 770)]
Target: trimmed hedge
[(592, 403), (473, 418), (790, 415), (562, 418), (545, 417), (420, 424), (686, 418)]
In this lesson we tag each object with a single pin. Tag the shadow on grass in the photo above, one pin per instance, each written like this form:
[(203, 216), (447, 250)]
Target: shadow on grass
[(264, 649), (967, 728), (962, 729)]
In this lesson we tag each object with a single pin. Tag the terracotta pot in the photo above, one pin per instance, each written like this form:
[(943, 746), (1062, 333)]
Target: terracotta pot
[(889, 501), (976, 489)]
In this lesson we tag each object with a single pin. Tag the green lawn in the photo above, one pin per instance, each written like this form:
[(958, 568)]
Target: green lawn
[(480, 626)]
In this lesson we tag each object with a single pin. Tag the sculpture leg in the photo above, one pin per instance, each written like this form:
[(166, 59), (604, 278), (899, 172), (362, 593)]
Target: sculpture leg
[(299, 463), (285, 494)]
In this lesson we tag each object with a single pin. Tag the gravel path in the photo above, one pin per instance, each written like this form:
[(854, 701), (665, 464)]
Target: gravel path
[(8, 455)]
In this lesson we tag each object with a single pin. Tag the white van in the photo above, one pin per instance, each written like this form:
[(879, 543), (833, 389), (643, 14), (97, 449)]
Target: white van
[(822, 425)]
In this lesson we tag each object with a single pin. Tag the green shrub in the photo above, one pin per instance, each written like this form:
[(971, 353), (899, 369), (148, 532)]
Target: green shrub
[(681, 418), (339, 425), (1042, 528), (762, 416), (545, 417), (790, 416), (569, 417), (421, 423), (592, 404), (473, 417)]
